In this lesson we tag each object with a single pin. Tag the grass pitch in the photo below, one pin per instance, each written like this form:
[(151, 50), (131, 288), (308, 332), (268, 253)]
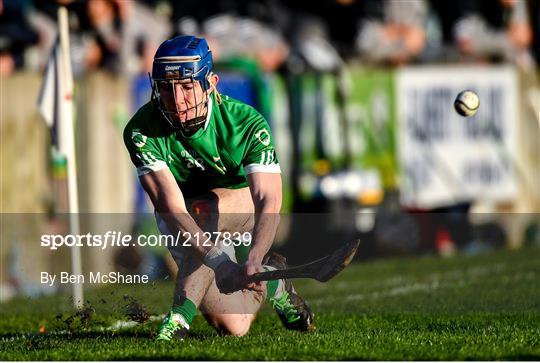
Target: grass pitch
[(465, 308)]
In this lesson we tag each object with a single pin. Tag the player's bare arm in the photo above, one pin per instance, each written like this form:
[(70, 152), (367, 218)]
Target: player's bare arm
[(266, 194), (169, 203)]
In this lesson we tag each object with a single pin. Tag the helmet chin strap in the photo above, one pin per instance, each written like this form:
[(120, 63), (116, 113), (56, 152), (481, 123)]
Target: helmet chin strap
[(214, 89)]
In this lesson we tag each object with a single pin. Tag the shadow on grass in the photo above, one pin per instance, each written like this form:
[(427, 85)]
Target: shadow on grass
[(93, 334), (64, 334), (522, 357)]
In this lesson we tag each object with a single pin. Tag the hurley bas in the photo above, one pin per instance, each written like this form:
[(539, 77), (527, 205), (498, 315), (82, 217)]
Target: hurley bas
[(93, 278)]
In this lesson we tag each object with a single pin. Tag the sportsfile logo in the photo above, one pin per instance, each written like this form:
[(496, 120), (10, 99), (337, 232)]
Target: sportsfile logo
[(120, 239)]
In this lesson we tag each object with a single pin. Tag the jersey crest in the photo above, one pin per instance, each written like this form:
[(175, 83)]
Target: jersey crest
[(139, 140), (263, 136)]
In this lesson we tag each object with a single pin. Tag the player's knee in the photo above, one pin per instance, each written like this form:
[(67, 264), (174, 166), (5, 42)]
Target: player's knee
[(237, 330), (234, 324)]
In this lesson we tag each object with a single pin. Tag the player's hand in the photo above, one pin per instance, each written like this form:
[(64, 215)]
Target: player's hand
[(252, 267), (230, 277)]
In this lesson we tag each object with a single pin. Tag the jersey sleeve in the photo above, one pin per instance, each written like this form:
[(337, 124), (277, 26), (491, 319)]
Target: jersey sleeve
[(260, 152), (143, 150)]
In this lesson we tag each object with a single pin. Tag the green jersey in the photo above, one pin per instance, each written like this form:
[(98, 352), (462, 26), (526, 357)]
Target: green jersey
[(235, 141)]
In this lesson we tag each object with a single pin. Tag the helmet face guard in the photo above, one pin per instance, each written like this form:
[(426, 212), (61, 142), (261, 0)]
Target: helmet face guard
[(194, 99), (180, 72)]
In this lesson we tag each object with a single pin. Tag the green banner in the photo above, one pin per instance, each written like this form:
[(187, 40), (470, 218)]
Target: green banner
[(371, 114)]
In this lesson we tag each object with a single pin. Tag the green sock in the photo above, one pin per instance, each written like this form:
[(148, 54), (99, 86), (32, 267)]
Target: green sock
[(186, 308), (271, 286), (241, 252)]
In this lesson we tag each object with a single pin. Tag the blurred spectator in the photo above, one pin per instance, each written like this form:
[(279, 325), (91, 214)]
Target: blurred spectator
[(120, 36), (334, 21), (234, 28), (105, 18), (188, 18), (129, 32), (495, 30), (145, 24), (86, 52), (234, 36), (16, 35), (392, 30), (316, 41)]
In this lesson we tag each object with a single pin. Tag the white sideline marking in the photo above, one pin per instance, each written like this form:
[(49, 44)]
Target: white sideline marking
[(401, 280), (450, 279)]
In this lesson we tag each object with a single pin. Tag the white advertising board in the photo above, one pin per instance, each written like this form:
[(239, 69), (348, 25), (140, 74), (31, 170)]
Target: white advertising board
[(446, 158)]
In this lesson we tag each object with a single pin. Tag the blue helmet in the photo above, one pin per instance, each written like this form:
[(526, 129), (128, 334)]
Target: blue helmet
[(184, 56)]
